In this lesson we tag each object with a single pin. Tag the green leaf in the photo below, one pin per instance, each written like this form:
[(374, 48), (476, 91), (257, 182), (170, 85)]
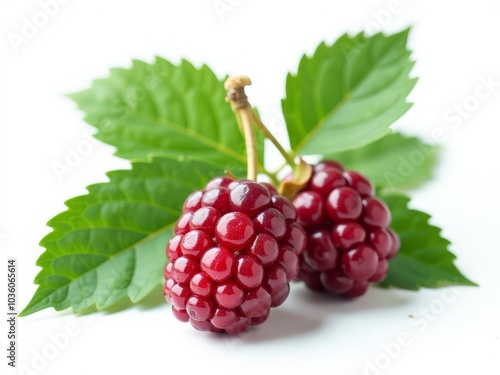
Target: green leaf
[(110, 243), (424, 259), (348, 94), (165, 109), (397, 162)]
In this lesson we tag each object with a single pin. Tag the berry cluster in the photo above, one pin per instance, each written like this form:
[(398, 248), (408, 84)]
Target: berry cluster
[(348, 239), (235, 249)]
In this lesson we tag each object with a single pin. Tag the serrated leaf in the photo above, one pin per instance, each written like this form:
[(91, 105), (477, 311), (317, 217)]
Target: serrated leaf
[(165, 109), (110, 243), (348, 94), (397, 162), (424, 259)]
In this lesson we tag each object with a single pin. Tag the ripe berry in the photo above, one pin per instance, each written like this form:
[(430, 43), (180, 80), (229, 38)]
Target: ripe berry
[(348, 239), (234, 252)]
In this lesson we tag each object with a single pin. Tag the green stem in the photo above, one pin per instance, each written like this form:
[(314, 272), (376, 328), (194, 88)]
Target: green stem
[(246, 124), (264, 130), (245, 116)]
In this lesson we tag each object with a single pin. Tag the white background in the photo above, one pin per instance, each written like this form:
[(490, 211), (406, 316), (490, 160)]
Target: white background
[(455, 44)]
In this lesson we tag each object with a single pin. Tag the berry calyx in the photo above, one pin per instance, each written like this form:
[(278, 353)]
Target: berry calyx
[(349, 241)]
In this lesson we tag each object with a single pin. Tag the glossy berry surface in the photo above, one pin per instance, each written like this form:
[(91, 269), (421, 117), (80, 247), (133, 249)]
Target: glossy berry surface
[(349, 241), (236, 248)]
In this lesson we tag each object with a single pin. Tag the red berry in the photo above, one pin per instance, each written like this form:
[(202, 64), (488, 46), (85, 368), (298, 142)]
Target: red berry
[(193, 201), (224, 318), (167, 290), (184, 269), (335, 281), (381, 241), (264, 248), (358, 289), (275, 279), (328, 164), (234, 251), (284, 206), (181, 315), (313, 281), (376, 213), (229, 295), (234, 230), (345, 236), (295, 237), (396, 244), (199, 308), (195, 243), (310, 211), (217, 198), (174, 248), (260, 319), (344, 204), (167, 271), (360, 263), (218, 263), (288, 259), (218, 182), (182, 226), (348, 248), (250, 198), (203, 325), (256, 302), (278, 298), (204, 219), (381, 272), (249, 272), (320, 254), (270, 188), (324, 181), (179, 295), (359, 183), (241, 325), (272, 222), (201, 285)]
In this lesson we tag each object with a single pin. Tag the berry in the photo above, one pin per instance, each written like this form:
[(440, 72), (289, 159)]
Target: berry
[(217, 198), (217, 263), (184, 269), (195, 243), (344, 204), (193, 201), (229, 295), (324, 181), (320, 253), (272, 222), (234, 230), (376, 213), (234, 252), (264, 248), (204, 219), (249, 198), (249, 272), (360, 263), (349, 241), (310, 210), (199, 308)]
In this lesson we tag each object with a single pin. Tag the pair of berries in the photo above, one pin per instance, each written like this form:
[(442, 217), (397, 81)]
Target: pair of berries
[(238, 244)]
